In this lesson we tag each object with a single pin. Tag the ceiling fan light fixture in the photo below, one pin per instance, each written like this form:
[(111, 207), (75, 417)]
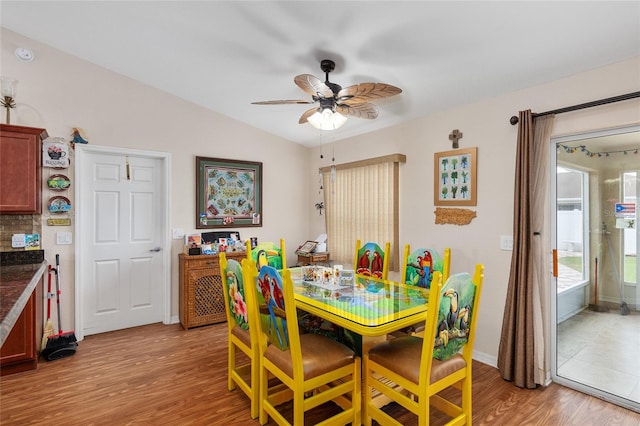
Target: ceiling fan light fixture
[(327, 119)]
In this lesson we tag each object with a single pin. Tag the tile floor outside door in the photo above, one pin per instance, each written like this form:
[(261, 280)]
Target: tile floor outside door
[(602, 349)]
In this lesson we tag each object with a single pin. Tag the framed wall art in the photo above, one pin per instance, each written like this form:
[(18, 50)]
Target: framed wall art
[(455, 181), (228, 193)]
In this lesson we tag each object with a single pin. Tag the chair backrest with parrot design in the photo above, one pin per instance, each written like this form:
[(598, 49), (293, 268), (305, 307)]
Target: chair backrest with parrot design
[(418, 266), (271, 305), (458, 307), (234, 286), (371, 260), (268, 253)]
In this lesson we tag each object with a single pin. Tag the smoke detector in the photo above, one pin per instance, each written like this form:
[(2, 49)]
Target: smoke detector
[(24, 54)]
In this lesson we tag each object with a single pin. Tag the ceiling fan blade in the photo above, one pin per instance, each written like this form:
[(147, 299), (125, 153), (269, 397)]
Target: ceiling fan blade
[(364, 92), (281, 102), (308, 113), (362, 110), (313, 86)]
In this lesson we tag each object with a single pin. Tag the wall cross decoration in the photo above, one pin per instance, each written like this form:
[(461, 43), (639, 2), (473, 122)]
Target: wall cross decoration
[(454, 137)]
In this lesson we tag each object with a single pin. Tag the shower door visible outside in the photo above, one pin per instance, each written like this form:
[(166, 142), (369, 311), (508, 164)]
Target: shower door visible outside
[(594, 193)]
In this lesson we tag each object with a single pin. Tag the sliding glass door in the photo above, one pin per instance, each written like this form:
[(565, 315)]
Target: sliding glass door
[(594, 193)]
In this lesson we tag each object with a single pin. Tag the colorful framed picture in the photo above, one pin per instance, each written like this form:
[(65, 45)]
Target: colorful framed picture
[(228, 193), (455, 181)]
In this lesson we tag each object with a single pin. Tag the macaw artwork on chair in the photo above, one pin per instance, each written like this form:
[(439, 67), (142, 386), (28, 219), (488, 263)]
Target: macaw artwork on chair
[(421, 264), (273, 319), (237, 303), (370, 260), (454, 315)]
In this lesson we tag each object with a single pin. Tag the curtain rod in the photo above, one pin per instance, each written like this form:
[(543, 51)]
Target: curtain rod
[(514, 119)]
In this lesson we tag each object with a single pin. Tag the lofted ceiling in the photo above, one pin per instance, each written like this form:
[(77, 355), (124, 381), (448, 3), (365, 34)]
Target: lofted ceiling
[(223, 55)]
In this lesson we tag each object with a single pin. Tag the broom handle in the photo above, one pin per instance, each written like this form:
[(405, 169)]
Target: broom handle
[(596, 292), (49, 293), (58, 293)]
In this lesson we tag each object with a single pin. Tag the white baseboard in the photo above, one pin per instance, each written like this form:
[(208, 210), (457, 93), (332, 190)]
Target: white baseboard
[(485, 359)]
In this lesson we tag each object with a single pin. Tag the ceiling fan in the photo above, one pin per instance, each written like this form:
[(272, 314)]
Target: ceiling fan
[(335, 102)]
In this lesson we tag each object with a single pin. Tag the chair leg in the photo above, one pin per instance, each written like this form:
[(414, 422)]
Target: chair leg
[(298, 408), (356, 397), (466, 398), (423, 418), (255, 387), (366, 419), (264, 386), (231, 366)]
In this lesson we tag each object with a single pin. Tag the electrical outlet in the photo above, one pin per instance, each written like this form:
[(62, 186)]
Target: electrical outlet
[(506, 242)]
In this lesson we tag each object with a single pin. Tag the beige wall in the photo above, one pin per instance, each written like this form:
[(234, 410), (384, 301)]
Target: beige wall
[(485, 125), (58, 92)]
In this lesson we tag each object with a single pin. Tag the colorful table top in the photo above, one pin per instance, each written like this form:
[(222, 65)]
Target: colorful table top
[(365, 305)]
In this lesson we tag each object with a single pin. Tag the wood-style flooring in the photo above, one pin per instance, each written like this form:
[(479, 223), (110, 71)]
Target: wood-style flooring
[(163, 375)]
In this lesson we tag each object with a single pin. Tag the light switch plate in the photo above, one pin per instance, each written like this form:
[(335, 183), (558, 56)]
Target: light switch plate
[(506, 242), (64, 238), (178, 233), (17, 241)]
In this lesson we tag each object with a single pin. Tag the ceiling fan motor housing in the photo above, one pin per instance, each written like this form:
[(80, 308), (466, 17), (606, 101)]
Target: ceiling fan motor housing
[(327, 65), (327, 103)]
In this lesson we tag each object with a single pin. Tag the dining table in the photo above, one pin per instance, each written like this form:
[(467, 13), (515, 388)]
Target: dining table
[(366, 305)]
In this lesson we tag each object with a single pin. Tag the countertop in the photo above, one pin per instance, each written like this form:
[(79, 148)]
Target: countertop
[(17, 283)]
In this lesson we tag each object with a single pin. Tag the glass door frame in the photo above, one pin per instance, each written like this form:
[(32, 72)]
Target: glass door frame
[(553, 294)]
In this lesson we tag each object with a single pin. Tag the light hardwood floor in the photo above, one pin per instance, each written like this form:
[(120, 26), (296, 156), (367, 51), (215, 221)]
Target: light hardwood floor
[(163, 375)]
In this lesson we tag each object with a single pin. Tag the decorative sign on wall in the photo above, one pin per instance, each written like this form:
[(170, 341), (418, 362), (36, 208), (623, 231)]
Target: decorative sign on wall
[(625, 215), (58, 182), (55, 153), (455, 180)]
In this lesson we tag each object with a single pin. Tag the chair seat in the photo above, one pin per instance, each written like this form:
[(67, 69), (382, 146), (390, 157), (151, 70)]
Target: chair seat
[(242, 335), (320, 355), (403, 355)]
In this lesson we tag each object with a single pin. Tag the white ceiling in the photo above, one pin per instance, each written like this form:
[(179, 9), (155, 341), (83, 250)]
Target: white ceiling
[(224, 55)]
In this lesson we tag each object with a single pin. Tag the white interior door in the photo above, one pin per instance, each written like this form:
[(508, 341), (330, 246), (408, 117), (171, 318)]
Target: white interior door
[(121, 255)]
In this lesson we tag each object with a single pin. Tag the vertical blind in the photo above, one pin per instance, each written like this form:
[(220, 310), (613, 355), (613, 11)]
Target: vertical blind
[(361, 201)]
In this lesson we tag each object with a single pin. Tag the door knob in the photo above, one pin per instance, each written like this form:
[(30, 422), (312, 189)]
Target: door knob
[(156, 249)]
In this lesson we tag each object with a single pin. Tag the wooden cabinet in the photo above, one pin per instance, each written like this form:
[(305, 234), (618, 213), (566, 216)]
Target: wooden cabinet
[(201, 297), (21, 171), (20, 350)]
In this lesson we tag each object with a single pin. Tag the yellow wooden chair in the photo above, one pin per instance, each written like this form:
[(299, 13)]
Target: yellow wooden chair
[(417, 269), (241, 335), (314, 369), (370, 259), (412, 373), (267, 253)]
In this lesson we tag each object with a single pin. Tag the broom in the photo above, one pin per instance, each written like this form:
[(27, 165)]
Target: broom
[(48, 326), (624, 309), (595, 306), (64, 343)]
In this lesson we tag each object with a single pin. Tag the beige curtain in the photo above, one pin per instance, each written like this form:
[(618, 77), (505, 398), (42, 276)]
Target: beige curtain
[(521, 356)]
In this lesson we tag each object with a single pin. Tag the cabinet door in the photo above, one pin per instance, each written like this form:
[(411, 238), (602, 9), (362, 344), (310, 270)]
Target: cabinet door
[(21, 171), (18, 353), (205, 297)]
